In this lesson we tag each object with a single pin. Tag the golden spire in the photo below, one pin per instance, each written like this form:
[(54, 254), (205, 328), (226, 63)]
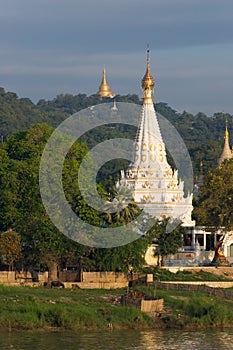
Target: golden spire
[(104, 89), (226, 135), (201, 167), (226, 153), (148, 83)]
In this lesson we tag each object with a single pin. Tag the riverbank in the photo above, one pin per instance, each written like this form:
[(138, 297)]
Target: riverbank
[(25, 308)]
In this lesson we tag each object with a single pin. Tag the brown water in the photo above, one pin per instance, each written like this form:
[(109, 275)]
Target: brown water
[(118, 340)]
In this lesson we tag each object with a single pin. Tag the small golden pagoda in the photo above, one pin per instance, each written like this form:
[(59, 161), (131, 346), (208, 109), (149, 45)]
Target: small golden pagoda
[(104, 89), (227, 152)]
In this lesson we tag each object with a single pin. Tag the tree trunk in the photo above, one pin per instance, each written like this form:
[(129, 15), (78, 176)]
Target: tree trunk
[(163, 260), (53, 271)]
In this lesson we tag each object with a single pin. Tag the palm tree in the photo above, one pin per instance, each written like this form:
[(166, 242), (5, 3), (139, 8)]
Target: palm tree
[(122, 209)]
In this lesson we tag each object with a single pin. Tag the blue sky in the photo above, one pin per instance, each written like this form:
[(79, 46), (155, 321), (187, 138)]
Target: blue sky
[(50, 47)]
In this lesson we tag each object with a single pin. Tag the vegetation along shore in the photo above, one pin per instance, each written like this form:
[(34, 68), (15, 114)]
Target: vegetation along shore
[(30, 308)]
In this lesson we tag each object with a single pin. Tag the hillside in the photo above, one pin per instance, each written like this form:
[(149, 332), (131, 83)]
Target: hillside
[(203, 135)]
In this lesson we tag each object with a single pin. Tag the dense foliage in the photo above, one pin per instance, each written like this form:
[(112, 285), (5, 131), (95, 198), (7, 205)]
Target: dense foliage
[(167, 241), (22, 209), (20, 201), (10, 248), (214, 206), (21, 206), (203, 135)]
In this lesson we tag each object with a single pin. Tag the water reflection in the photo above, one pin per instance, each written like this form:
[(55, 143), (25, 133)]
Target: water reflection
[(118, 340), (150, 340)]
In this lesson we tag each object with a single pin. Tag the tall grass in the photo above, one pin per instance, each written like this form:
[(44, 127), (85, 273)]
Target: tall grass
[(31, 308), (208, 312), (194, 309), (36, 308)]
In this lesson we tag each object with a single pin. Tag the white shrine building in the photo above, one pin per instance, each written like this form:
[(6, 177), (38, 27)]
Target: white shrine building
[(157, 189), (155, 186)]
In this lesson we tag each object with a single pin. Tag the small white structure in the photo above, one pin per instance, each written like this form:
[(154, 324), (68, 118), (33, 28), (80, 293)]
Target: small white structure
[(227, 245)]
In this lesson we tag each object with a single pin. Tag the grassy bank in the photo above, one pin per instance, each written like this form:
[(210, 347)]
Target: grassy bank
[(35, 308), (186, 276), (193, 309), (75, 309)]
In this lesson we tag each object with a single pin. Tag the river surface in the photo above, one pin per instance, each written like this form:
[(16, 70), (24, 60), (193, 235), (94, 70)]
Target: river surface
[(118, 340)]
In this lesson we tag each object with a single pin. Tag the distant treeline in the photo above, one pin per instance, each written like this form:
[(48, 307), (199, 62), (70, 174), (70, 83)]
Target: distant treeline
[(203, 135)]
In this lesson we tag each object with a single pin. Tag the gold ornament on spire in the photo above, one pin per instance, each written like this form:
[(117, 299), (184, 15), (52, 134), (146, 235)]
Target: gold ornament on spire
[(201, 167), (148, 83), (226, 135), (104, 89)]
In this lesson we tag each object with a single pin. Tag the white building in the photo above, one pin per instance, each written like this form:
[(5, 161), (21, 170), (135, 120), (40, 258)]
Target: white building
[(155, 186)]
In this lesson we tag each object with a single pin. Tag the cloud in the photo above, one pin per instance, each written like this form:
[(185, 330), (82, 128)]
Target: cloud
[(94, 26), (62, 45)]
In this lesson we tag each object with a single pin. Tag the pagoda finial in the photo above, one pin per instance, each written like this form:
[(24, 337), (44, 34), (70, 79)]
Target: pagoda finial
[(226, 131), (148, 56), (201, 167), (148, 82), (104, 74)]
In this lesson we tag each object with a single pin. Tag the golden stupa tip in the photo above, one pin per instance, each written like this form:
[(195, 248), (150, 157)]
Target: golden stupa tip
[(201, 167), (148, 79), (226, 131), (104, 89), (148, 82)]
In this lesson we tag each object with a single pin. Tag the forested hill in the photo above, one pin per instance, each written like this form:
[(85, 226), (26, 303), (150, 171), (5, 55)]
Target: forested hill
[(203, 135), (20, 113)]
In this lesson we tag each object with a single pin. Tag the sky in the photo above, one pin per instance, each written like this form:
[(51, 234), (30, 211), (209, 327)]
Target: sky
[(52, 47)]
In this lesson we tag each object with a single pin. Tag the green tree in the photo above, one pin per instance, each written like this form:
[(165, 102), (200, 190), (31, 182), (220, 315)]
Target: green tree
[(214, 205), (121, 259), (21, 202), (10, 248), (167, 241), (125, 209)]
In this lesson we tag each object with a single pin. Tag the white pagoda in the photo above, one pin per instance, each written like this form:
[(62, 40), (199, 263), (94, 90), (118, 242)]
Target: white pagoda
[(227, 153), (155, 186)]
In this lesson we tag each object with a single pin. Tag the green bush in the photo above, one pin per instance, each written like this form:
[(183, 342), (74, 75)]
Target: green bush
[(206, 311)]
